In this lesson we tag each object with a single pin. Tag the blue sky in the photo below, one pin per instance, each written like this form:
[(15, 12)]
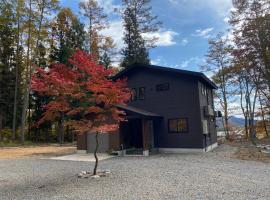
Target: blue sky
[(187, 26)]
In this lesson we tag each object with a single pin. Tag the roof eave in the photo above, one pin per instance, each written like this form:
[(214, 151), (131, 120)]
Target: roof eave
[(191, 73)]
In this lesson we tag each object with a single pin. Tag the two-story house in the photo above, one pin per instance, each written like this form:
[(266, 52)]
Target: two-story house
[(171, 110)]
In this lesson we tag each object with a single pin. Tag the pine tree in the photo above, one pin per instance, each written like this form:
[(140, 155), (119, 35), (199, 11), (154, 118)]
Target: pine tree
[(138, 21), (67, 35)]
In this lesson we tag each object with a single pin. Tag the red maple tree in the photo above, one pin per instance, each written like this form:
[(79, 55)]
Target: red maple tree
[(84, 94)]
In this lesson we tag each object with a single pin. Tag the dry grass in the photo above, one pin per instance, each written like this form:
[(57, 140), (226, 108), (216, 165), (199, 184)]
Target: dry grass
[(252, 153), (247, 151), (50, 150)]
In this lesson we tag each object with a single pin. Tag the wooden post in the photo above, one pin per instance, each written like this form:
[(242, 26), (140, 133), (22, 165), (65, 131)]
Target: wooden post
[(82, 143), (145, 132), (145, 135)]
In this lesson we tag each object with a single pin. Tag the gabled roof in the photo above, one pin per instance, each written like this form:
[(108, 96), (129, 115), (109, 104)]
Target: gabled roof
[(200, 76), (138, 111)]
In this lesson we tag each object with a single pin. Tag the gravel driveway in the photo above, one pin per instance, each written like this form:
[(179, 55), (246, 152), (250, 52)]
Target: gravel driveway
[(183, 176)]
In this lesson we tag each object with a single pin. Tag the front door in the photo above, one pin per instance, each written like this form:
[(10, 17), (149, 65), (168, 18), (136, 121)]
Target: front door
[(131, 134)]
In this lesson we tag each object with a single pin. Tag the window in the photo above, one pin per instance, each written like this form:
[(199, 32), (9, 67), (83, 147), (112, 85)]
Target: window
[(179, 125), (141, 95), (209, 97), (162, 87), (133, 94), (203, 90)]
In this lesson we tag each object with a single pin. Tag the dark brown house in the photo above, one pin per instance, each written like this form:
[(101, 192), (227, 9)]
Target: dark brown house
[(171, 110)]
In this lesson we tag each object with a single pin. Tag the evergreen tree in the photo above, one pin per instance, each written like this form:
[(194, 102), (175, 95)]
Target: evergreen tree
[(138, 21), (67, 35), (7, 62)]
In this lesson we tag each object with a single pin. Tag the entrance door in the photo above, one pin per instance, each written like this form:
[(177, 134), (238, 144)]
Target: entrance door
[(135, 130), (131, 134)]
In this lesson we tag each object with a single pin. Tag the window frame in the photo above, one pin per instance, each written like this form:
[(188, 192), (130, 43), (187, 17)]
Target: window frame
[(139, 92), (180, 118), (203, 89)]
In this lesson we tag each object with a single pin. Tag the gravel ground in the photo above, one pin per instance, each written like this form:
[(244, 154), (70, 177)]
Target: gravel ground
[(183, 176)]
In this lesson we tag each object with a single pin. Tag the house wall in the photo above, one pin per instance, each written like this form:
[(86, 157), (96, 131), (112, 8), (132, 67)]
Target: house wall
[(103, 143), (107, 142), (211, 138), (82, 142), (180, 101), (183, 100)]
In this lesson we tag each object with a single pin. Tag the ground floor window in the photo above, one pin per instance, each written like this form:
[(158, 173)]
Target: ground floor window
[(178, 125)]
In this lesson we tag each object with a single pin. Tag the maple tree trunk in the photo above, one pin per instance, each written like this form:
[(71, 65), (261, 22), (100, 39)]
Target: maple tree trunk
[(95, 154)]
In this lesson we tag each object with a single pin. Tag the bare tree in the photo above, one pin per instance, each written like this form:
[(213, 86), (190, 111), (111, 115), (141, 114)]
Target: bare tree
[(219, 63)]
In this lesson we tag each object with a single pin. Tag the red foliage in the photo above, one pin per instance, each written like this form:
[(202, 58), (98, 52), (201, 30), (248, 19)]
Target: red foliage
[(83, 92)]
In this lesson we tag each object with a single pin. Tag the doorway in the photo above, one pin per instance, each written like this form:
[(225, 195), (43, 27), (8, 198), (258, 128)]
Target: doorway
[(132, 134)]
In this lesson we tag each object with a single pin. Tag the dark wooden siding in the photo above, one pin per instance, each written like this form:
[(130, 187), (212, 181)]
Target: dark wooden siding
[(181, 101), (81, 142)]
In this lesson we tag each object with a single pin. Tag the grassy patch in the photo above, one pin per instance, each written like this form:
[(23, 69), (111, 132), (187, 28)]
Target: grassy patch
[(43, 150), (16, 144)]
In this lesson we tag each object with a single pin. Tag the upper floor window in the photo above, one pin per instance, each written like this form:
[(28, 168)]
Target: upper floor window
[(209, 97), (133, 94), (141, 95), (204, 90), (179, 125), (162, 87)]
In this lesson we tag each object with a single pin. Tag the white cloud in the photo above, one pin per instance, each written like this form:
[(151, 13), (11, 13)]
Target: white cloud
[(226, 19), (116, 31), (109, 6), (192, 62), (184, 42), (164, 38), (159, 61), (185, 63), (156, 61), (204, 33)]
